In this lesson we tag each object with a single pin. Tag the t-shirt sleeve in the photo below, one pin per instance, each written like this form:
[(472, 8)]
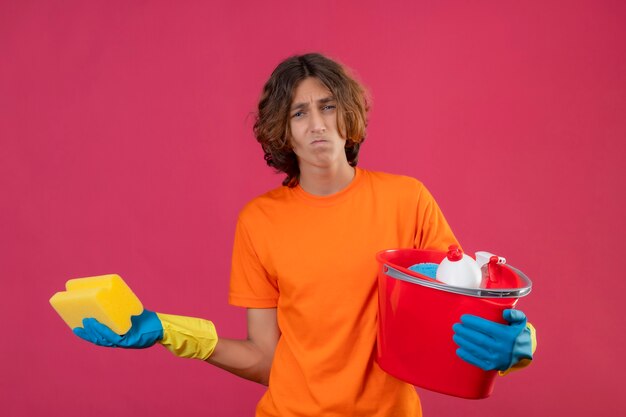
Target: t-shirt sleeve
[(433, 231), (250, 284)]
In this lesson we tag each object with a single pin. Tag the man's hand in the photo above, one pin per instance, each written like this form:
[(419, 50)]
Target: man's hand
[(145, 331), (491, 345)]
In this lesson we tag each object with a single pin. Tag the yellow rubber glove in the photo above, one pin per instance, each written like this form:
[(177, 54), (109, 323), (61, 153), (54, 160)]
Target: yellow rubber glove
[(188, 337)]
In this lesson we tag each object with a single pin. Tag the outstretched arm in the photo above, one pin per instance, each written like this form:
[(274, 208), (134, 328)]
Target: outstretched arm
[(190, 337)]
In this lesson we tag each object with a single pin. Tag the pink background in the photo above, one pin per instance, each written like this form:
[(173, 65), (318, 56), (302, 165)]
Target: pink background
[(126, 147)]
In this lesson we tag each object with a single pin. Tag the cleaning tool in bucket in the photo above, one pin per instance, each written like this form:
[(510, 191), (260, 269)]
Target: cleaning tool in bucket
[(459, 269), (416, 314)]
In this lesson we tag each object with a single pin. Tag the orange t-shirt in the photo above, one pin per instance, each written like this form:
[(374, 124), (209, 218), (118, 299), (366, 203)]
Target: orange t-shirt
[(313, 258)]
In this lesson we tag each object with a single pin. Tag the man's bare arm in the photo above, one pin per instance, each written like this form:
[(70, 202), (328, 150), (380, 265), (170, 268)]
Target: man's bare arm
[(251, 358)]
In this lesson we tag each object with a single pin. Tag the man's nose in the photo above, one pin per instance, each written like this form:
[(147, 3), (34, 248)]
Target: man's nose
[(317, 123)]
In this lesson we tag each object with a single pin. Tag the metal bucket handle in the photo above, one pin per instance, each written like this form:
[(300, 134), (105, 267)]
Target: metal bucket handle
[(472, 292)]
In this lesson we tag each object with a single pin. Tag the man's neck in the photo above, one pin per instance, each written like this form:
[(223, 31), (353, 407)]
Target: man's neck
[(326, 181)]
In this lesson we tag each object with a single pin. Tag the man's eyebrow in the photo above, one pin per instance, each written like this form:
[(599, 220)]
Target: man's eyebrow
[(324, 100)]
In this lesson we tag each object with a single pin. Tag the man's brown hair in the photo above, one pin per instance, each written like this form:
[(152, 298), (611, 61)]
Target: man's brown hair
[(271, 127)]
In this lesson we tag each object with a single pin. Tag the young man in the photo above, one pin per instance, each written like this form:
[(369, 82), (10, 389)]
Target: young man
[(304, 263)]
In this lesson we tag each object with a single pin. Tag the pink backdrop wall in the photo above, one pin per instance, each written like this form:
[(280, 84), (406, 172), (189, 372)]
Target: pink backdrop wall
[(126, 147)]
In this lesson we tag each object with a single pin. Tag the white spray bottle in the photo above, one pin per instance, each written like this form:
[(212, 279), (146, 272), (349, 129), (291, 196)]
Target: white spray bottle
[(459, 270)]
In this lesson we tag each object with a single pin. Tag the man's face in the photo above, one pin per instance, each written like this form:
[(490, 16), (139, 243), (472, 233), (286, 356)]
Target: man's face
[(315, 138)]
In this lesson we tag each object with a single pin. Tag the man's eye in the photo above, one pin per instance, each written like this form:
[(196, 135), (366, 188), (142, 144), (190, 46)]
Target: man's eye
[(329, 107), (297, 114)]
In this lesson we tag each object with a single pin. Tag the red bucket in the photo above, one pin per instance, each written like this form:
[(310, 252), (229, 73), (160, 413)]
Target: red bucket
[(415, 319)]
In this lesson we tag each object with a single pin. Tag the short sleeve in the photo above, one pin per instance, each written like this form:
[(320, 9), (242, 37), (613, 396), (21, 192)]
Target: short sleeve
[(433, 231), (250, 284)]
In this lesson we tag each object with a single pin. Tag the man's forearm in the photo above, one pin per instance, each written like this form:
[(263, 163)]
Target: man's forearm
[(250, 358), (243, 358)]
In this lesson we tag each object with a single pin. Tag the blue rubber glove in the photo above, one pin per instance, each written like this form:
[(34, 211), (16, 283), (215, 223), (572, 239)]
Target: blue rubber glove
[(145, 331), (491, 345)]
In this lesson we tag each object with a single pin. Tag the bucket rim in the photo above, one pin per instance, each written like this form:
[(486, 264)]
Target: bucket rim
[(395, 271)]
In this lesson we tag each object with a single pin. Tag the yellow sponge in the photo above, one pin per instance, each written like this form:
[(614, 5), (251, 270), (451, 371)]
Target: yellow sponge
[(106, 298)]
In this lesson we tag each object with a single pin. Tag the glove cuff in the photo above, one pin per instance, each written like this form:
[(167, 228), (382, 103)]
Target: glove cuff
[(188, 337), (524, 362)]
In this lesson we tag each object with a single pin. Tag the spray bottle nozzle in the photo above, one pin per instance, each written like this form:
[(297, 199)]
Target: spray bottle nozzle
[(454, 253)]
